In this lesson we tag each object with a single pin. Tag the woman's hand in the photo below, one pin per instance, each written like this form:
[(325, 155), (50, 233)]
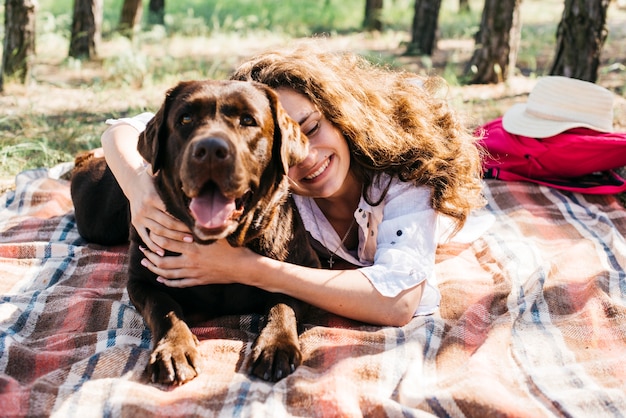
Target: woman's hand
[(348, 292), (149, 216), (148, 213), (197, 264)]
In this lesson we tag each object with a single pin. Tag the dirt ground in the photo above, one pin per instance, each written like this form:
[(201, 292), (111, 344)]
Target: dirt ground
[(60, 89)]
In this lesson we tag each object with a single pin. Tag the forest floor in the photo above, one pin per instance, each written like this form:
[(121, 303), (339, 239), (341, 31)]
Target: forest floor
[(74, 98)]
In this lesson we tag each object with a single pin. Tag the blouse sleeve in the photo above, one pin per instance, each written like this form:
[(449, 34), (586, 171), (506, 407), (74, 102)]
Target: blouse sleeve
[(138, 122), (405, 245)]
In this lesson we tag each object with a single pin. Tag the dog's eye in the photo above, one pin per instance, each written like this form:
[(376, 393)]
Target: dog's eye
[(185, 119), (247, 120)]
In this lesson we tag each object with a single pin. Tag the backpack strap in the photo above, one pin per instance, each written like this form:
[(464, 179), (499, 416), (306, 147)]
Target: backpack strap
[(606, 182)]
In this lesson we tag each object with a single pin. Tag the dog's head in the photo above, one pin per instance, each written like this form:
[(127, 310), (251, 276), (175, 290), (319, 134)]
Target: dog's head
[(220, 149)]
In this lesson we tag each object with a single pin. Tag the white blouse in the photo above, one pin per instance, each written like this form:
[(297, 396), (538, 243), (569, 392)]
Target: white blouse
[(397, 238)]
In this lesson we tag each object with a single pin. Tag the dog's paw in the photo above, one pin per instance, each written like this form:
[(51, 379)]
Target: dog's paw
[(274, 358), (175, 358)]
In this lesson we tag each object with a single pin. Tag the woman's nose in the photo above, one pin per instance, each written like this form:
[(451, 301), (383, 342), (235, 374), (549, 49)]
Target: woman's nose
[(310, 159)]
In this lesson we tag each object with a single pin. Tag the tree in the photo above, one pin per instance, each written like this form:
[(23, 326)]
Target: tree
[(156, 15), (580, 37), (130, 18), (373, 15), (424, 29), (86, 29), (19, 38), (464, 6), (497, 43)]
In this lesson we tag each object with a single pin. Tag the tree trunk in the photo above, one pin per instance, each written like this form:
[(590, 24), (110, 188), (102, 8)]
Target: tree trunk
[(497, 43), (156, 15), (373, 15), (580, 37), (424, 30), (19, 38), (130, 18), (464, 6), (86, 29)]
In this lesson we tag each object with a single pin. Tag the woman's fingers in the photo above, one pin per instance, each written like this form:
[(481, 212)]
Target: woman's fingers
[(158, 230), (160, 271), (169, 244), (192, 267), (150, 217), (195, 264), (170, 227), (144, 234), (178, 282), (144, 228), (169, 267)]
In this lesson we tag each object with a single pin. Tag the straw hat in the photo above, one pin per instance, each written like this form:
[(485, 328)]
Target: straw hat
[(557, 104)]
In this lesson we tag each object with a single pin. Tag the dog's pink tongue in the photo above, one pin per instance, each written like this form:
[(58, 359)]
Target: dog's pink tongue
[(211, 210)]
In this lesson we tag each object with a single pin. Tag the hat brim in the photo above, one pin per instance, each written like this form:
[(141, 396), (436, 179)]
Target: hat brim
[(518, 122)]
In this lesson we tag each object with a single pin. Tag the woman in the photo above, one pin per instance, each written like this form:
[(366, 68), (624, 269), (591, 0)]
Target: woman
[(387, 156)]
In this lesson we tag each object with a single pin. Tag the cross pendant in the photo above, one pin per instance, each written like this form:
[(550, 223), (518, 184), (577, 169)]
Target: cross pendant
[(330, 262)]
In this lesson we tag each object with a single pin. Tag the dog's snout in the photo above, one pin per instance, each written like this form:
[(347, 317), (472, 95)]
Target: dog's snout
[(210, 149)]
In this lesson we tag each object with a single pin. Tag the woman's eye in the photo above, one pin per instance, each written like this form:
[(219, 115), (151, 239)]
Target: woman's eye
[(247, 120), (185, 119), (311, 129)]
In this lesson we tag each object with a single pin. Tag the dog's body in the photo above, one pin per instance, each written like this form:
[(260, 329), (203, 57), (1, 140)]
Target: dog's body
[(220, 152)]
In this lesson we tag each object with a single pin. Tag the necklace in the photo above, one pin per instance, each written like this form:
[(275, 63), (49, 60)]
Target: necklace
[(345, 236)]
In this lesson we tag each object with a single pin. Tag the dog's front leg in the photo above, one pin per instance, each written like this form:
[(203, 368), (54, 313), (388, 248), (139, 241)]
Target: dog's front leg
[(175, 357), (276, 351)]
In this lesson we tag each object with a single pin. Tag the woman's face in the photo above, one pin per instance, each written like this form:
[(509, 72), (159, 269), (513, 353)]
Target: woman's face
[(323, 172)]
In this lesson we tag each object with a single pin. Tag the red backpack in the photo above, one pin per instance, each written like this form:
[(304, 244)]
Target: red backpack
[(579, 160)]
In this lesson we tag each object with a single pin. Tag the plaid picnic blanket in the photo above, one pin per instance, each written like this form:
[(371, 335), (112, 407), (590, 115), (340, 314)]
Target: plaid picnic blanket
[(532, 323)]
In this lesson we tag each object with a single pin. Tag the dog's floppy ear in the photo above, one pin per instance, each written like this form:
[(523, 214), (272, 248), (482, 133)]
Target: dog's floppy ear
[(152, 140), (290, 144), (148, 144)]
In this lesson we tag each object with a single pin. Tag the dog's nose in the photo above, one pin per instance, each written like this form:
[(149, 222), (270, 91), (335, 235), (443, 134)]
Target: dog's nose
[(210, 149)]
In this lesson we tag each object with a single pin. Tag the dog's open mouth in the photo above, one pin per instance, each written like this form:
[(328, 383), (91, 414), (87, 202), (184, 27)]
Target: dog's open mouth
[(213, 211)]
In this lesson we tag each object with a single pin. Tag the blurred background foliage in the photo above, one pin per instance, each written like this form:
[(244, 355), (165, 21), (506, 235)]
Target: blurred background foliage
[(61, 110)]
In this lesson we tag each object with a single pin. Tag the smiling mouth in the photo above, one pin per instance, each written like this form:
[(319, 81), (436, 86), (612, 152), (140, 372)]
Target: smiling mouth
[(319, 171)]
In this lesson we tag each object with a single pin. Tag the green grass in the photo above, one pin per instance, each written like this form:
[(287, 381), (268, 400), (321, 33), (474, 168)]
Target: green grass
[(203, 17), (32, 140), (183, 49), (290, 17)]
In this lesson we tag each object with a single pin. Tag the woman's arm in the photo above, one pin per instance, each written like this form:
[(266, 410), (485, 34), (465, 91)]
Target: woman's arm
[(388, 292), (345, 292), (148, 213)]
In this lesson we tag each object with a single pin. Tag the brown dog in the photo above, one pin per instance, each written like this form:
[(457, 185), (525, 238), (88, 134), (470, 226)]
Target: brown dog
[(220, 151)]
